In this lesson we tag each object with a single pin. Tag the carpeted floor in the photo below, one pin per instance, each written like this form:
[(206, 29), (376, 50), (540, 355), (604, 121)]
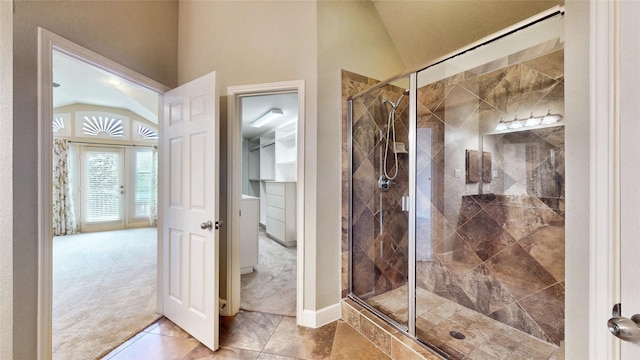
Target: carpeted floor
[(271, 288), (104, 290)]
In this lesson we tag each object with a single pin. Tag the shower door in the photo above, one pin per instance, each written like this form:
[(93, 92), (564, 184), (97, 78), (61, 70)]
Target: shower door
[(457, 198), (379, 225)]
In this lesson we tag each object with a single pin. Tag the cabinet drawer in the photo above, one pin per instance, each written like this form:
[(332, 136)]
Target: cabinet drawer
[(275, 213), (275, 201), (275, 228), (275, 188)]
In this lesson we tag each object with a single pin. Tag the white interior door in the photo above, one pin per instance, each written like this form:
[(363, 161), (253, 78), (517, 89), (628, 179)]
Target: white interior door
[(102, 189), (630, 172), (190, 202)]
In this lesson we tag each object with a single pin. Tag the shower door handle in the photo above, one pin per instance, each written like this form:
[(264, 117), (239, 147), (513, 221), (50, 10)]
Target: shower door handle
[(405, 203)]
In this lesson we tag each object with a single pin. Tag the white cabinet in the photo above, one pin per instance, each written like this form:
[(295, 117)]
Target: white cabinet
[(281, 211), (248, 233), (286, 153)]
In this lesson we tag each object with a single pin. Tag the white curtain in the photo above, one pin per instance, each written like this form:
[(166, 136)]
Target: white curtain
[(153, 209), (64, 219)]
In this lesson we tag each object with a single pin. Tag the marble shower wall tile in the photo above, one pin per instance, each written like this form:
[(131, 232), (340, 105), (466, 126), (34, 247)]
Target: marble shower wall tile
[(500, 253), (381, 248)]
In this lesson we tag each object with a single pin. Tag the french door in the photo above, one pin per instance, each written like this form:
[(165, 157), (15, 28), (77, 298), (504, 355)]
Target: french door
[(102, 189)]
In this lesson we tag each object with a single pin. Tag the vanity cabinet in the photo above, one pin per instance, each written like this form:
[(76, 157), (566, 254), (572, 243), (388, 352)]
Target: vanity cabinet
[(281, 211)]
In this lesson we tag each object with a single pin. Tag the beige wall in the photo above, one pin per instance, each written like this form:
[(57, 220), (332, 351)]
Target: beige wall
[(577, 105), (253, 42), (258, 42), (351, 36), (6, 181), (119, 30)]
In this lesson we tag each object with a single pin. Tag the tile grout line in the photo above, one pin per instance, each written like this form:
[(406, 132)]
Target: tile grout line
[(271, 336)]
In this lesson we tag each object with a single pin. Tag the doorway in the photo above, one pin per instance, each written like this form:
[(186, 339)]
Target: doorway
[(105, 134), (266, 165), (101, 139), (268, 204)]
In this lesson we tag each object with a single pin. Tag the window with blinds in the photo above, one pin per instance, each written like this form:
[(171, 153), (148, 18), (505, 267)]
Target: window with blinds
[(103, 186), (144, 182)]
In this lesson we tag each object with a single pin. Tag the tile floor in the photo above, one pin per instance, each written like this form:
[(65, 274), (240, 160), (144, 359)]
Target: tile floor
[(485, 338), (250, 335)]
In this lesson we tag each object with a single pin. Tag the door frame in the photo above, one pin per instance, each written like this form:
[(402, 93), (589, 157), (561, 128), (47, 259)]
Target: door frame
[(234, 189), (47, 43)]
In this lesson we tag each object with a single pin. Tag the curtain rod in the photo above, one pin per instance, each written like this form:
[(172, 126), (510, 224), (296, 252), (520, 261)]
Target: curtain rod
[(108, 144)]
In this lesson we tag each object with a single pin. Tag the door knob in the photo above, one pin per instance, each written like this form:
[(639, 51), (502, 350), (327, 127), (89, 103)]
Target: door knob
[(623, 328), (206, 225)]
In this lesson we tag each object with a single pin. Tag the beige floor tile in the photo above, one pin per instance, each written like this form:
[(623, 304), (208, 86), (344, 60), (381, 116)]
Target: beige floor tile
[(350, 345), (248, 330), (296, 341), (201, 352), (157, 347), (168, 328), (264, 356)]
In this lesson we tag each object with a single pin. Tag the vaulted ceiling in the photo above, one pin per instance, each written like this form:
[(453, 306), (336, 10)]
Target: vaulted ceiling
[(424, 30), (421, 30)]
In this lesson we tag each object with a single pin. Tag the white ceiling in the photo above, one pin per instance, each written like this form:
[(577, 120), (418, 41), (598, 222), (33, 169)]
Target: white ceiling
[(81, 83), (255, 106)]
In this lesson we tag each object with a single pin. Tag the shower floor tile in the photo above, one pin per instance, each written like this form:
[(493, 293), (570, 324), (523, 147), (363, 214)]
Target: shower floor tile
[(485, 338)]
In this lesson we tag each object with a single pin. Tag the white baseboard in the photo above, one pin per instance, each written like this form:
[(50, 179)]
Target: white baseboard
[(316, 319)]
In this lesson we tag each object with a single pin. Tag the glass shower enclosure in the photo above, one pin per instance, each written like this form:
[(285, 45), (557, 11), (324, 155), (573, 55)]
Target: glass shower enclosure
[(456, 197)]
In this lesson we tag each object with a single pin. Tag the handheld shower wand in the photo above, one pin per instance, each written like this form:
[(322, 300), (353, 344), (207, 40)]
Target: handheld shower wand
[(384, 182)]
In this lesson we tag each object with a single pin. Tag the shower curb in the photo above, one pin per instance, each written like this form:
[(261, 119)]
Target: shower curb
[(389, 340)]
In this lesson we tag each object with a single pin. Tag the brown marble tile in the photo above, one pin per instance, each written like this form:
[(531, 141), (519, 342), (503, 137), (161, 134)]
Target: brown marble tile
[(457, 256), (399, 351), (519, 272), (459, 103), (363, 276), (481, 354), (485, 290), (499, 96), (430, 96), (349, 314), (485, 236), (553, 101), (547, 310), (546, 245), (490, 66), (157, 347), (534, 345), (248, 330), (505, 341), (202, 352), (300, 342), (468, 209), (376, 334), (515, 316), (364, 182), (551, 64)]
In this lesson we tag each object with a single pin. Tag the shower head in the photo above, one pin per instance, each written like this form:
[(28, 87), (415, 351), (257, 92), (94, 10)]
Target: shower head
[(394, 105)]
